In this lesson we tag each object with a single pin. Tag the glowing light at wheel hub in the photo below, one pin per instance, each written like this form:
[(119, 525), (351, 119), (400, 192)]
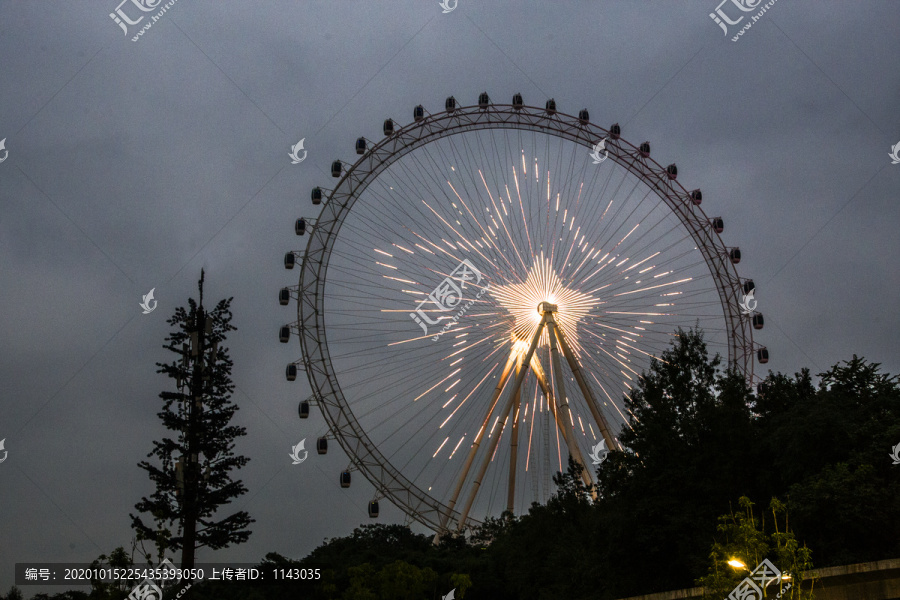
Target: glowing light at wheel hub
[(521, 300)]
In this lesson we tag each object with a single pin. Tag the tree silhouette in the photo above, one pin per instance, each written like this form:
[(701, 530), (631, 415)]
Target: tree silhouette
[(193, 477)]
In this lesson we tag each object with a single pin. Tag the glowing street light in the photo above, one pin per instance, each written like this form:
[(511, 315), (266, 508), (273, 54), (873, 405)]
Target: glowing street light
[(737, 564)]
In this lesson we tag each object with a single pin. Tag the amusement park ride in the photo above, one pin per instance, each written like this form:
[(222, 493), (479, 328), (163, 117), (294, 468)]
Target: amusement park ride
[(585, 271)]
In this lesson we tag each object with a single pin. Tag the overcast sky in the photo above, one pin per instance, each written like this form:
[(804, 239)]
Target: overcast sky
[(132, 165)]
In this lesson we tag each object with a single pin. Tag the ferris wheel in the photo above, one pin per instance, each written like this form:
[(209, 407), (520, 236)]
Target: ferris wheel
[(479, 293)]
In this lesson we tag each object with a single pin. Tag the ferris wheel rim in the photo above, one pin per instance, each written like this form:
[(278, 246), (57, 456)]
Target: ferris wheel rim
[(364, 454)]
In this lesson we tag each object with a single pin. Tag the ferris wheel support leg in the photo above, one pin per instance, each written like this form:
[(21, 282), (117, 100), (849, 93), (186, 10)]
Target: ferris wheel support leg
[(551, 403), (586, 391), (486, 459), (514, 446), (520, 377), (562, 406), (445, 521)]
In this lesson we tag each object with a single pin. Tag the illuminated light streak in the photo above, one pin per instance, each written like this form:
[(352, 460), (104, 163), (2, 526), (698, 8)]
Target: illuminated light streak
[(384, 265), (421, 337), (401, 280), (439, 447), (457, 447), (522, 209), (605, 211), (468, 396), (470, 346), (508, 234), (499, 437), (453, 229), (586, 258), (609, 354), (626, 235), (450, 400), (653, 287), (637, 264), (382, 252), (404, 249), (530, 432), (645, 353), (437, 384)]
